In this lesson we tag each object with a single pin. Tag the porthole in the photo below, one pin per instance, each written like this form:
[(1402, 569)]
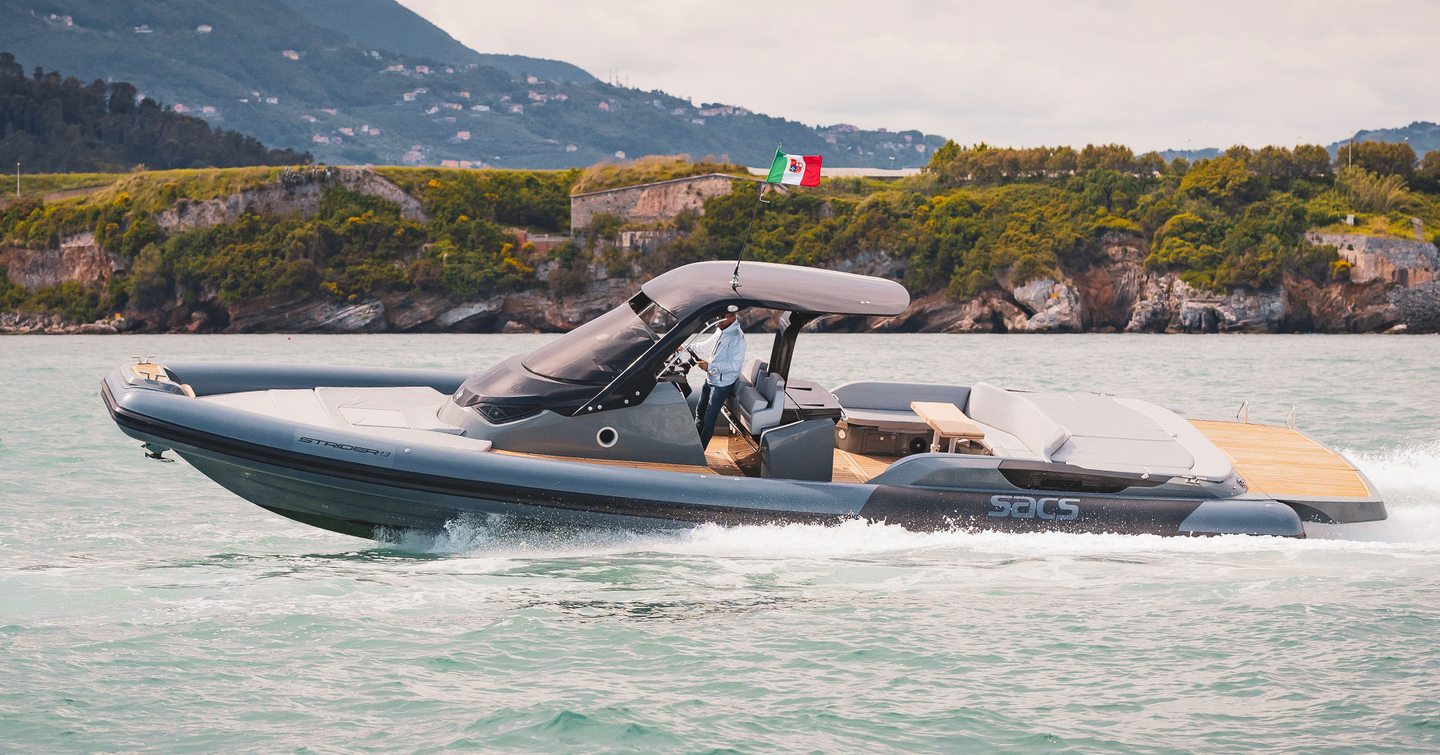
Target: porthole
[(607, 437)]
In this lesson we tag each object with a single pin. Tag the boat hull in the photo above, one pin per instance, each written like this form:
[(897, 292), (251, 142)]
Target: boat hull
[(259, 459)]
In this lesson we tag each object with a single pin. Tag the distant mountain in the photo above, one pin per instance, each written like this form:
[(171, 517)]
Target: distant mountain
[(342, 90), (1423, 136), (387, 25)]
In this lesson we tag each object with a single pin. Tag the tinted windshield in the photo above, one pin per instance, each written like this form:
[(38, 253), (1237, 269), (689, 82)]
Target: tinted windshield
[(601, 349)]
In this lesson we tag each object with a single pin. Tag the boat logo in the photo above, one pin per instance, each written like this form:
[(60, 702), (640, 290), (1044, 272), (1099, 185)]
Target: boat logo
[(343, 446), (797, 166), (1027, 507)]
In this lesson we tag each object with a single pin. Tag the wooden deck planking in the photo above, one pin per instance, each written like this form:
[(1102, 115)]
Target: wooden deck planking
[(717, 457), (852, 467), (1279, 461)]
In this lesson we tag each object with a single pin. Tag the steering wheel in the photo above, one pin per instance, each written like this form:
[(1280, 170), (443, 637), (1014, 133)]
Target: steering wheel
[(680, 362)]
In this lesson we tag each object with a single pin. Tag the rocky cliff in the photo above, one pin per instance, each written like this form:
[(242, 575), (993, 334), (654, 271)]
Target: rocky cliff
[(1394, 286)]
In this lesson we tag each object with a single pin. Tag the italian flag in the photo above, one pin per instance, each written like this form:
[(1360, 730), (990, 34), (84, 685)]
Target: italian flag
[(803, 170)]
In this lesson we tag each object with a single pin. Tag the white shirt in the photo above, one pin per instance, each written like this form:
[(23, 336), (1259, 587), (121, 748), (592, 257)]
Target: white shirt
[(727, 354)]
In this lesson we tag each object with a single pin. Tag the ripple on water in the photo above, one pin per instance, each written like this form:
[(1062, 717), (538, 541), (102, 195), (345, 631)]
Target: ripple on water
[(143, 607)]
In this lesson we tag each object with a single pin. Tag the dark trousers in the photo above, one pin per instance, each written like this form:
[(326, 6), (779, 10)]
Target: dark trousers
[(712, 397)]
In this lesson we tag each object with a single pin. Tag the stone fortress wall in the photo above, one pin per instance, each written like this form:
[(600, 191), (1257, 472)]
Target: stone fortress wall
[(1403, 262), (649, 203)]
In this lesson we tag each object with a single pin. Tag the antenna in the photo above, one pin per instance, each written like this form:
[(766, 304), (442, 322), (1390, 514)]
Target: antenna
[(735, 275)]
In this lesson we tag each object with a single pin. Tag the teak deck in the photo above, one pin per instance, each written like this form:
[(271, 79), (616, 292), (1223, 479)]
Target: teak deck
[(1281, 462)]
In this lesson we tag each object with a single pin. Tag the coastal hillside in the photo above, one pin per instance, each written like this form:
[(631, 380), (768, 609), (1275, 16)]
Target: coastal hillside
[(52, 123), (388, 25), (987, 240), (372, 83)]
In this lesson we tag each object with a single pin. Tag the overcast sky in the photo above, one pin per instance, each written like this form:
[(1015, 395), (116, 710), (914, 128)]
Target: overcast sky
[(1152, 75)]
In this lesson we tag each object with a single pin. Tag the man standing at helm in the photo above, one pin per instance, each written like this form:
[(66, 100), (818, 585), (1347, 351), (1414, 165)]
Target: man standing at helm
[(727, 353)]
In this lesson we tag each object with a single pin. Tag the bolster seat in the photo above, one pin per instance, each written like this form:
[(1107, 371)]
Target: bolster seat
[(1018, 416)]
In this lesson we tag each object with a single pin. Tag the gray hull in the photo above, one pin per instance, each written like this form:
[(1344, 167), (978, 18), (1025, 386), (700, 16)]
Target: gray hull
[(362, 485)]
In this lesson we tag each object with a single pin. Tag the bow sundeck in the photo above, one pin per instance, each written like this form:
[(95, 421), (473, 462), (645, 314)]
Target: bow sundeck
[(596, 427)]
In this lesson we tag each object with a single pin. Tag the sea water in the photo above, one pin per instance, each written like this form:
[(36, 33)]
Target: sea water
[(144, 607)]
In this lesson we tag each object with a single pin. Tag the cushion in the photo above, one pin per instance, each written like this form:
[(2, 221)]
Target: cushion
[(1017, 415), (887, 419), (749, 400), (897, 396)]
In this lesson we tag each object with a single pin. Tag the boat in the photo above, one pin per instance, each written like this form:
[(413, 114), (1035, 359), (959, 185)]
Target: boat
[(596, 427)]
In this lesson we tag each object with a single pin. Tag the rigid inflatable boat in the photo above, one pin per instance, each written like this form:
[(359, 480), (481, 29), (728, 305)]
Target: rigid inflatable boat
[(596, 428)]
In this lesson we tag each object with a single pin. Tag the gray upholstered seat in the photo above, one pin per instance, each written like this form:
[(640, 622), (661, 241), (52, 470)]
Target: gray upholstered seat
[(1096, 432), (887, 405), (760, 406)]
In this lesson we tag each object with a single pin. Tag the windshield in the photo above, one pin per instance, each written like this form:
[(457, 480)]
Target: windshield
[(601, 349)]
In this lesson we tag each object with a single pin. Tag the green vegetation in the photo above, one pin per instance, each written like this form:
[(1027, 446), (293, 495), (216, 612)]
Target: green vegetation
[(59, 124), (983, 217), (980, 218), (36, 186), (538, 200)]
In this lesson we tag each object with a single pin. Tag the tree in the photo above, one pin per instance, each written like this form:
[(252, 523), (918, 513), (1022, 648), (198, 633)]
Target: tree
[(1381, 158), (1427, 177), (1223, 180)]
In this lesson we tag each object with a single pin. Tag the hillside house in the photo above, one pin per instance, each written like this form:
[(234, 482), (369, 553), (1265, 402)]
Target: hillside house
[(204, 29), (290, 54)]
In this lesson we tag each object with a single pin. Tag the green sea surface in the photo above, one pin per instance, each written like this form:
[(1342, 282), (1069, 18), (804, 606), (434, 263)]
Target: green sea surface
[(142, 607)]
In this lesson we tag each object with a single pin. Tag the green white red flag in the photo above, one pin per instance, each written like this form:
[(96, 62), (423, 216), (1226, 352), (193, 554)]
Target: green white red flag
[(796, 170)]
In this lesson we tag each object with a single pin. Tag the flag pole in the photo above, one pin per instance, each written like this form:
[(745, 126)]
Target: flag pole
[(754, 214)]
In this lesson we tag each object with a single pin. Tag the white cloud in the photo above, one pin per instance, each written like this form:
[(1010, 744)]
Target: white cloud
[(1148, 74)]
